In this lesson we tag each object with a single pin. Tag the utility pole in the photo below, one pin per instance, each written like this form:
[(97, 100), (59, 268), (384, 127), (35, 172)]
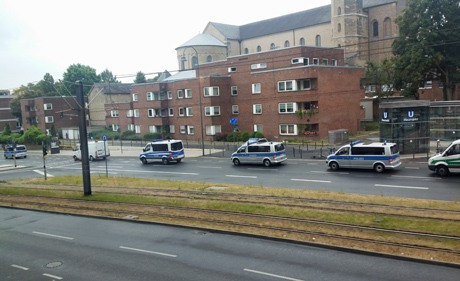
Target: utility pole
[(83, 139)]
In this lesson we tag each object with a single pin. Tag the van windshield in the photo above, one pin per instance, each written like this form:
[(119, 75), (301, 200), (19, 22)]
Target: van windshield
[(175, 146)]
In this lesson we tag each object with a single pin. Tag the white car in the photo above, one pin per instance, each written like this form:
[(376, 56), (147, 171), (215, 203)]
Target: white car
[(21, 151)]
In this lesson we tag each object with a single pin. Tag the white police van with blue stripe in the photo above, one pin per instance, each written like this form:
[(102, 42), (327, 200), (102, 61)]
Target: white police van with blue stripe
[(20, 151), (378, 156), (164, 150), (260, 153)]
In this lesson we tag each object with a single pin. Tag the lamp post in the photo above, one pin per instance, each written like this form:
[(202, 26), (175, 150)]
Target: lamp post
[(183, 60)]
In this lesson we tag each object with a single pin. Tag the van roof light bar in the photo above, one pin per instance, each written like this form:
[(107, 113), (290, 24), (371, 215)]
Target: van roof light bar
[(158, 140), (354, 142)]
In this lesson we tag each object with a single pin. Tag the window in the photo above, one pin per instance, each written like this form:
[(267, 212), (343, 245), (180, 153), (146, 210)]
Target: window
[(190, 130), (49, 119), (212, 110), (149, 96), (375, 30), (232, 69), (286, 44), (48, 106), (129, 113), (209, 59), (318, 41), (339, 11), (155, 96), (334, 62), (272, 46), (315, 61), (257, 109), (194, 62), (213, 130), (304, 61), (258, 128), (290, 129), (256, 88), (154, 129), (171, 111), (302, 41), (426, 85), (188, 93), (304, 84), (155, 112), (339, 27), (171, 129), (234, 90), (284, 86), (135, 97), (387, 28), (189, 111), (259, 49), (115, 127), (211, 91), (246, 51), (369, 89), (289, 107), (136, 112), (234, 109), (325, 62), (180, 94), (181, 111), (182, 129), (130, 127), (258, 65), (114, 113), (170, 95), (137, 129)]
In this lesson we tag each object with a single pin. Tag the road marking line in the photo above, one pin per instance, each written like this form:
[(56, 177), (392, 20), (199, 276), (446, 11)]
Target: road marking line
[(42, 173), (20, 267), (52, 235), (413, 168), (236, 176), (272, 275), (52, 276), (137, 171), (324, 172), (415, 177), (208, 167), (401, 186), (260, 169), (146, 251), (310, 180)]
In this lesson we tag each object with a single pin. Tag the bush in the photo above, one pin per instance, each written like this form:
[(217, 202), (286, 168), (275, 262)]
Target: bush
[(245, 136), (34, 135), (373, 126), (151, 136), (258, 135), (128, 134)]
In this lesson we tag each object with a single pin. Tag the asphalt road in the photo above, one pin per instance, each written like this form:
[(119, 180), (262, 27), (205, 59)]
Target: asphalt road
[(46, 246), (411, 180)]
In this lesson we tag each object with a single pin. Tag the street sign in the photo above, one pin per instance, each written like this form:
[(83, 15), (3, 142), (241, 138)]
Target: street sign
[(104, 137), (233, 120)]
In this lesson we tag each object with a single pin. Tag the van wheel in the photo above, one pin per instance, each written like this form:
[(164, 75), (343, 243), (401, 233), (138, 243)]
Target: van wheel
[(334, 166), (442, 171), (236, 161), (75, 158), (379, 168), (267, 163), (25, 157), (178, 160), (91, 158), (165, 161), (144, 161)]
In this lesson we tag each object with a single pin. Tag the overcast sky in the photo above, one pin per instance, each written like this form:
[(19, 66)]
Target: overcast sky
[(39, 37)]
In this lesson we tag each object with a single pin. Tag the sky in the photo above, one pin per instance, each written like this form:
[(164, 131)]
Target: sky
[(47, 36)]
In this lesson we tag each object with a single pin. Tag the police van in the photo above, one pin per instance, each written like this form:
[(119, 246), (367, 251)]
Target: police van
[(442, 163), (260, 153), (378, 156), (21, 151), (164, 150)]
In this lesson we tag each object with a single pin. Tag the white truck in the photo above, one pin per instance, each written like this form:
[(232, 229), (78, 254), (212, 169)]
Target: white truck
[(95, 151)]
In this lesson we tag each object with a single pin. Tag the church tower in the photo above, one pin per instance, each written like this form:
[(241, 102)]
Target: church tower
[(350, 30)]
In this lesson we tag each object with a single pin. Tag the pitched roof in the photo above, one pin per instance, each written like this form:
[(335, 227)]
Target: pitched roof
[(115, 88), (181, 75), (373, 3), (202, 40)]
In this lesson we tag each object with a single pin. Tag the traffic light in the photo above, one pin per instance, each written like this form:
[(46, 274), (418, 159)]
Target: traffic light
[(45, 150), (90, 135), (61, 114)]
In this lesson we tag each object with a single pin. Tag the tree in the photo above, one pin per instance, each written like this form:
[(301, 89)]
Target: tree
[(52, 131), (47, 86), (427, 46), (77, 72), (107, 77), (140, 78), (382, 76), (7, 130), (24, 92)]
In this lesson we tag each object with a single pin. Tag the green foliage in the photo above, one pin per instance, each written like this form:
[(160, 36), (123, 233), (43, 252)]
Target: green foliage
[(372, 126), (34, 135), (77, 72), (52, 130), (425, 48), (258, 135), (128, 134), (140, 78), (13, 137), (382, 75), (7, 130), (107, 77), (245, 136), (151, 136)]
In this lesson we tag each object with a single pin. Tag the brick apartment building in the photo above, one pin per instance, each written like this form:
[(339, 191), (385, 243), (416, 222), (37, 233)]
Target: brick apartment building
[(5, 113), (43, 112), (265, 92)]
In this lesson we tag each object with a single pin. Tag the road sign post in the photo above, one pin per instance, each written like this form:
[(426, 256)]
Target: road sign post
[(104, 138)]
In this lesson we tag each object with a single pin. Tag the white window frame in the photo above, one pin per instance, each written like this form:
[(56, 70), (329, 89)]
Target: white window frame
[(190, 130), (212, 111), (287, 86), (325, 62), (136, 113), (129, 113), (315, 61), (256, 128), (171, 112), (183, 129), (172, 130), (189, 111), (334, 62), (170, 95), (234, 91), (180, 94), (149, 96), (152, 129), (49, 119), (259, 65), (181, 111), (232, 69), (256, 88), (135, 97), (211, 91), (235, 109), (213, 130), (255, 108), (304, 61), (188, 93), (137, 129), (114, 113), (130, 127), (115, 127), (48, 106), (283, 108), (151, 112), (288, 127)]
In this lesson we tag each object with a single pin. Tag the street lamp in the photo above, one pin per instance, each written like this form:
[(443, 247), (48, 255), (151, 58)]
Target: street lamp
[(183, 60)]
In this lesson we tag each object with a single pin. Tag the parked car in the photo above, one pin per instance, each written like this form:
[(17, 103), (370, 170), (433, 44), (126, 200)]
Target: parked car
[(21, 151)]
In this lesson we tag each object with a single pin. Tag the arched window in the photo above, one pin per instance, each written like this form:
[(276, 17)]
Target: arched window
[(246, 51), (302, 41), (387, 27), (339, 27), (318, 40), (209, 59), (286, 44), (339, 46), (272, 46), (194, 62), (375, 30), (339, 11), (259, 49)]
